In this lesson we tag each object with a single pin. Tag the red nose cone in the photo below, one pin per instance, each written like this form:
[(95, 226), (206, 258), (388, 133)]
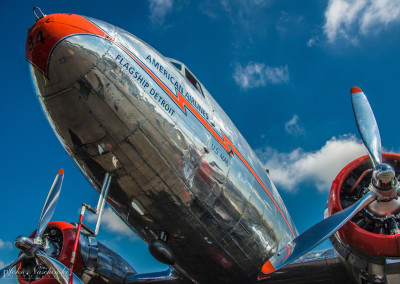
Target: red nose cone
[(355, 90), (48, 30)]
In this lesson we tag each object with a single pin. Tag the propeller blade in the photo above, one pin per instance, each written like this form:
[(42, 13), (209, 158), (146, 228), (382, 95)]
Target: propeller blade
[(315, 235), (59, 271), (366, 124), (10, 266), (50, 204)]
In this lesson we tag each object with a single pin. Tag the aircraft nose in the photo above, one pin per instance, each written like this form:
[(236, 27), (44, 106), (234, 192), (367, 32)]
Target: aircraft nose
[(48, 30)]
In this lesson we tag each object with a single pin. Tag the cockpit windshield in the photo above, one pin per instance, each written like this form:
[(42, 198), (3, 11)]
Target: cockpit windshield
[(193, 80), (187, 74)]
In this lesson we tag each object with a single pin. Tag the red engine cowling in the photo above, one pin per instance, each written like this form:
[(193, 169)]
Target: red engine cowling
[(93, 259), (358, 234), (366, 240), (60, 237)]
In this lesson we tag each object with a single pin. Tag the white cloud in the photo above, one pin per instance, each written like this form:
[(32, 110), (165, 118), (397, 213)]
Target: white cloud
[(313, 41), (112, 223), (348, 18), (159, 9), (318, 168), (257, 74), (5, 245), (292, 126)]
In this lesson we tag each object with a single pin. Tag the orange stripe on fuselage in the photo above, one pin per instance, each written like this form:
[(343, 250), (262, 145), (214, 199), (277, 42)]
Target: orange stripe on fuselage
[(288, 252), (225, 142)]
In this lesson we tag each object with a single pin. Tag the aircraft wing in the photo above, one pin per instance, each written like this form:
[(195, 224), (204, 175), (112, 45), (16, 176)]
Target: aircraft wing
[(323, 266)]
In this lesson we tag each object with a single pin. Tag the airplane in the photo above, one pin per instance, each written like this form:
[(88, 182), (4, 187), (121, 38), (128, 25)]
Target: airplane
[(158, 148)]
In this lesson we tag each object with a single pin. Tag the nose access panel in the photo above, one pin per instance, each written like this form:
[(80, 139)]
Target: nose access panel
[(44, 35)]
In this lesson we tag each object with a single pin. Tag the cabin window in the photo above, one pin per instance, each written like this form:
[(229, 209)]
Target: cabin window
[(193, 81), (177, 65)]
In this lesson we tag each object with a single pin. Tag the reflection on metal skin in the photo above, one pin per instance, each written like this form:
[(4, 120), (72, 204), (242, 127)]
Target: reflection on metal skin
[(168, 165), (101, 261)]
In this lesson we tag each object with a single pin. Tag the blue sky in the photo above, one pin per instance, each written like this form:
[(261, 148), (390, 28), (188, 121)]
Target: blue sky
[(281, 70)]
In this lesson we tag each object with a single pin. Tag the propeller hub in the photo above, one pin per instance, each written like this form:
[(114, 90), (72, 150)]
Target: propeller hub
[(383, 178), (387, 193), (24, 243), (385, 186), (383, 209)]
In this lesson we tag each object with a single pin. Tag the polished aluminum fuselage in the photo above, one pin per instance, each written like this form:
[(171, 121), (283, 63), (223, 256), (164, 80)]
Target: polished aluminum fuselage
[(110, 103)]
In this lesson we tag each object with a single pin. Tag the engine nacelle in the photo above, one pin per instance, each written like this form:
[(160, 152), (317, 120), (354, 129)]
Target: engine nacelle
[(93, 259), (369, 238), (102, 262)]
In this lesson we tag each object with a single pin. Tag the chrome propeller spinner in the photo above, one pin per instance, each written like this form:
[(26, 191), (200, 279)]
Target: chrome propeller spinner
[(382, 196), (35, 247)]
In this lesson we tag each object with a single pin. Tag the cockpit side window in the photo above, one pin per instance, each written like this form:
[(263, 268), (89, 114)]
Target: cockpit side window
[(177, 65), (193, 81)]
